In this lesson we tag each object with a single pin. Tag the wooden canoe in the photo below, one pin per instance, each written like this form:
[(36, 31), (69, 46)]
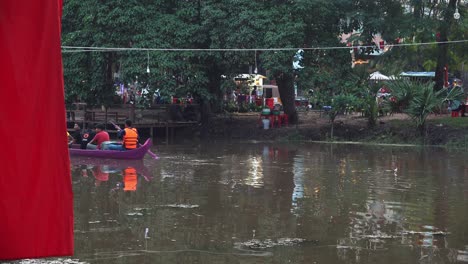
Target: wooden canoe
[(134, 154)]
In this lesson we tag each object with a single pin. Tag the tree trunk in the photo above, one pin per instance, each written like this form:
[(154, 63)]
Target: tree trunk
[(107, 91), (373, 113), (444, 30), (214, 84), (207, 106), (205, 112), (286, 90)]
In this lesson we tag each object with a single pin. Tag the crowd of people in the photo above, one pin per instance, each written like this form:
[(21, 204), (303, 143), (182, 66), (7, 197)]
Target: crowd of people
[(99, 139)]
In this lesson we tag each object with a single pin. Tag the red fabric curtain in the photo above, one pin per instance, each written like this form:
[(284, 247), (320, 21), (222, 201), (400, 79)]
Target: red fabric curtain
[(36, 203)]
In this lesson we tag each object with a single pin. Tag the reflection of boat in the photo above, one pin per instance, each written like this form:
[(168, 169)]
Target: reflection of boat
[(112, 165), (134, 154)]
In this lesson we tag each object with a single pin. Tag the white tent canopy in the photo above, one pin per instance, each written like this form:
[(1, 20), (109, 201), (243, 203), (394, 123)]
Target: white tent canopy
[(378, 76)]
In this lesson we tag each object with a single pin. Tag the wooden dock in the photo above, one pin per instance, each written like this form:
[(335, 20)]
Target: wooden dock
[(164, 117)]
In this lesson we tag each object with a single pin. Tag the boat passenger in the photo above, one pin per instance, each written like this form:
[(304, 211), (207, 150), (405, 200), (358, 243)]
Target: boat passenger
[(76, 134), (128, 135), (101, 136), (86, 137), (69, 139)]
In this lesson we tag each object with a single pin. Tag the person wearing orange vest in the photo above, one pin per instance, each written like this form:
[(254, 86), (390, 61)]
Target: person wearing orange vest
[(128, 135)]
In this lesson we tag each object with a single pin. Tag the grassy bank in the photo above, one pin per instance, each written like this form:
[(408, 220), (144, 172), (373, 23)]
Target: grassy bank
[(396, 129)]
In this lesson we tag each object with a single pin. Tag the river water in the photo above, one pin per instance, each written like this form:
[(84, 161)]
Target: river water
[(273, 203)]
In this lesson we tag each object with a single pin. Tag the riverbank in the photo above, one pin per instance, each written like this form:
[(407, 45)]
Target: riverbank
[(312, 126)]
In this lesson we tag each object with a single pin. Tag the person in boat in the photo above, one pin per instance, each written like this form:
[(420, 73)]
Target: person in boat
[(86, 137), (128, 135), (76, 134), (100, 137), (69, 138)]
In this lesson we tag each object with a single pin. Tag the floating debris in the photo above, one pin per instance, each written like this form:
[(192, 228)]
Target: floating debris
[(426, 233), (183, 206), (462, 255), (269, 243), (348, 247), (141, 209), (108, 221), (147, 233), (134, 214), (382, 236)]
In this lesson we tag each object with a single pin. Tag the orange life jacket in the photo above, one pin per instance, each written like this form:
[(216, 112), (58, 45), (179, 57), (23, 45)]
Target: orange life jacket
[(130, 139), (130, 179)]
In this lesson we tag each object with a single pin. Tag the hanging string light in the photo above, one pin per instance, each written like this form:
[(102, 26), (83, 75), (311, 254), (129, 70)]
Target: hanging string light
[(147, 63), (256, 70), (456, 15), (66, 49)]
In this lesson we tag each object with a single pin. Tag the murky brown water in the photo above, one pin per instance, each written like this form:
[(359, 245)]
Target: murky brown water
[(274, 203)]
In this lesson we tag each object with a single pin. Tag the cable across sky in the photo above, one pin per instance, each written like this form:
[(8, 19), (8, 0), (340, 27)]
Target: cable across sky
[(70, 49)]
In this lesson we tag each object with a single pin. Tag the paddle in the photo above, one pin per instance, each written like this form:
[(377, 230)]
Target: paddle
[(115, 125), (154, 156)]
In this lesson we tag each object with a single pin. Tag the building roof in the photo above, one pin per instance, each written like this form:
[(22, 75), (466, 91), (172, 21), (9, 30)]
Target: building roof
[(417, 74)]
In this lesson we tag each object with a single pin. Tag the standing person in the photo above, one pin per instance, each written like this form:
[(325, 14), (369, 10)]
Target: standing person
[(254, 91), (458, 106), (189, 98), (253, 95), (101, 136), (128, 135)]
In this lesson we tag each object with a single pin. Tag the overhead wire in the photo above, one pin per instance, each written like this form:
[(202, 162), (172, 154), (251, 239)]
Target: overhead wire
[(70, 49)]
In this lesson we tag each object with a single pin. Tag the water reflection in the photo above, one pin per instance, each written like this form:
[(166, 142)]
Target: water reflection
[(255, 178), (275, 203), (102, 188), (102, 167)]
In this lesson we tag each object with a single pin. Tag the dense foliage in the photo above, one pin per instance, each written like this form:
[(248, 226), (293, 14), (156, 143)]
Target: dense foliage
[(244, 24), (418, 100)]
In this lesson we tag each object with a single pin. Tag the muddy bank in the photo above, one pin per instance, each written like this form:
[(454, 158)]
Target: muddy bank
[(395, 129)]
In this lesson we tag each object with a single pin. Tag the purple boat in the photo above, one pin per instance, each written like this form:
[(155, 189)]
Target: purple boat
[(134, 154)]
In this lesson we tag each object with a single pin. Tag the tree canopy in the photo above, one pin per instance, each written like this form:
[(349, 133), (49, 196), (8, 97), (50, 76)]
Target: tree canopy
[(243, 24)]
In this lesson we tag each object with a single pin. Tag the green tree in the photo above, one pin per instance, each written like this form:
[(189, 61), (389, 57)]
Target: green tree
[(444, 30), (418, 100), (89, 76), (370, 104), (241, 24), (339, 104), (412, 22)]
